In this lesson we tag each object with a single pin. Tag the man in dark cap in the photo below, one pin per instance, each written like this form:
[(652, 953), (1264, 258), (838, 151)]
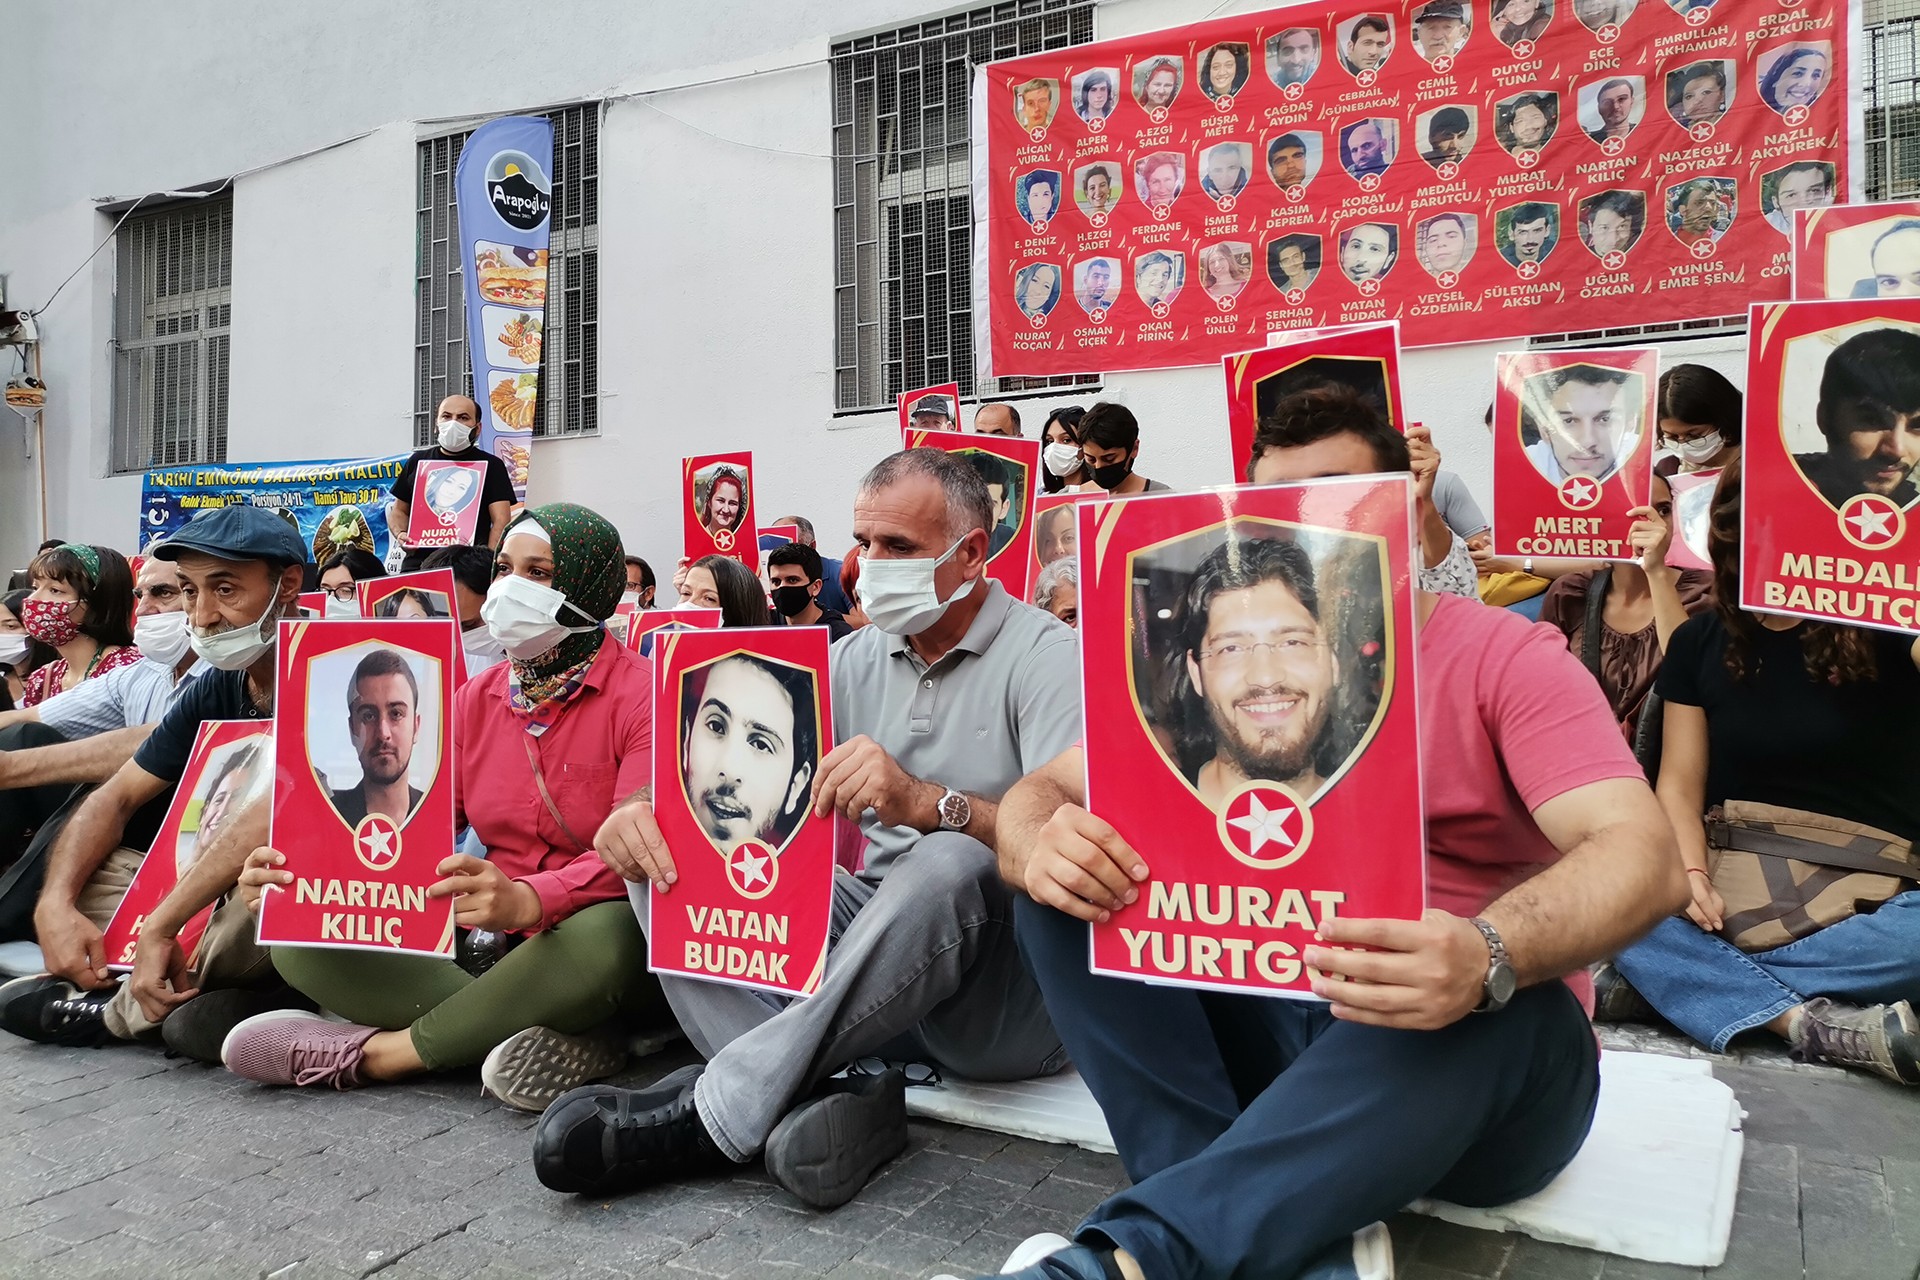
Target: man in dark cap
[(931, 413), (1440, 28)]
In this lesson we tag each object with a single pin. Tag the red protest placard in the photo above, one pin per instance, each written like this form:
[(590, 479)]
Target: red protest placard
[(643, 624), (313, 604), (717, 501), (1857, 251), (1055, 534), (231, 764), (1692, 504), (426, 595), (1252, 722), (445, 509), (1166, 198), (1829, 460), (743, 719), (363, 801), (1010, 466), (930, 408), (1572, 451), (1365, 357)]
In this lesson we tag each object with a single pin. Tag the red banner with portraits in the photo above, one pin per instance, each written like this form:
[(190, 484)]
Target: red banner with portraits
[(1475, 170), (717, 502), (1010, 466), (1829, 458), (1572, 451), (363, 794), (1363, 357), (744, 718), (1252, 725), (1858, 251)]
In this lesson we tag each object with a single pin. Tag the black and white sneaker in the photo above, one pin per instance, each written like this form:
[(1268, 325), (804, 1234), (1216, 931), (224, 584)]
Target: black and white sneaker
[(51, 1010), (531, 1068)]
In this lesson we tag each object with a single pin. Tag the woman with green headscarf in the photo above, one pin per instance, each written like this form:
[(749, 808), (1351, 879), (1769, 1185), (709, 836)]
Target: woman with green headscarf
[(546, 745)]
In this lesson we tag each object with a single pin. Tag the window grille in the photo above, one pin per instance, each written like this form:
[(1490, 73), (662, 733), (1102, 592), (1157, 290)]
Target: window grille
[(569, 402), (173, 313), (903, 201)]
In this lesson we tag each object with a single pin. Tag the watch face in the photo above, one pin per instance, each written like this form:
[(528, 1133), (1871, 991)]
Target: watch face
[(1501, 983), (955, 811)]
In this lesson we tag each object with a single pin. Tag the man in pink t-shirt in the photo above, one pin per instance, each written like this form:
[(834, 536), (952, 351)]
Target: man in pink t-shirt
[(1263, 1134)]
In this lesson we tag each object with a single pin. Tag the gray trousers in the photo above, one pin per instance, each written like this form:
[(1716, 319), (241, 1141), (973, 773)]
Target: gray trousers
[(923, 965)]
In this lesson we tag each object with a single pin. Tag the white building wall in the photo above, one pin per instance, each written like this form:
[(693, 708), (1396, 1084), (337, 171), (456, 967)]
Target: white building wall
[(716, 258)]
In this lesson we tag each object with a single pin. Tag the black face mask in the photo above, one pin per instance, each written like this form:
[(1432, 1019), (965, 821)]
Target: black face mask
[(792, 601), (1111, 477)]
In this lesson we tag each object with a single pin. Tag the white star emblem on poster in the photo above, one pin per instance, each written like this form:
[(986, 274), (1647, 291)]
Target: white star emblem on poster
[(1870, 521), (752, 868), (376, 841), (1264, 825), (1579, 492)]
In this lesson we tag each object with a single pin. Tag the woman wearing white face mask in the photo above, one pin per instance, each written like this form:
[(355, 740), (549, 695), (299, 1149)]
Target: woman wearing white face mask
[(1063, 465), (456, 430), (1699, 420), (548, 743), (340, 577)]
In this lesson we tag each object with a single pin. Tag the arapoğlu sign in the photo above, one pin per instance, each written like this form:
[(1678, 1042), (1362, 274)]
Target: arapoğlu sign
[(518, 191)]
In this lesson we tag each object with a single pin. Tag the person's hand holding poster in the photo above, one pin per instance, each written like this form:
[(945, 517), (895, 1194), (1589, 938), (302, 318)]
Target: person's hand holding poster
[(744, 718), (930, 409), (717, 491), (1251, 722), (363, 801), (1572, 451), (230, 766), (1365, 357), (1010, 466), (1829, 463), (645, 624), (1857, 251), (446, 503)]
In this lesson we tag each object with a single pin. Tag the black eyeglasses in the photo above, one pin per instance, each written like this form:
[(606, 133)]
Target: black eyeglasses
[(917, 1073)]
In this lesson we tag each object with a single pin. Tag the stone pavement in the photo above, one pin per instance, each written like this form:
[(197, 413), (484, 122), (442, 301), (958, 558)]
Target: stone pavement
[(120, 1162)]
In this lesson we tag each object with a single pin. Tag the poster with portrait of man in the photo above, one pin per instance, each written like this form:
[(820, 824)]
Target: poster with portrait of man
[(1010, 465), (1573, 446), (743, 718), (426, 595), (1829, 462), (644, 625), (934, 408), (231, 766), (1364, 357), (1252, 722), (364, 789), (1857, 251), (446, 503), (717, 492)]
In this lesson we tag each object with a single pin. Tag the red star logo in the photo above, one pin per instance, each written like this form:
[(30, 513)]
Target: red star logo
[(1523, 49), (1296, 296), (1580, 492), (1369, 287), (1702, 132), (1443, 64), (1037, 133), (1614, 261), (1528, 270), (1264, 825), (1226, 303), (1040, 227), (1370, 183), (1699, 17), (1449, 170), (1703, 247), (1037, 320), (723, 539), (1226, 204), (1097, 124), (1160, 311), (1614, 146), (1293, 92), (1608, 33), (1796, 115), (1527, 159), (376, 841), (1296, 193), (1098, 315), (1447, 279), (1160, 212), (1223, 103), (1158, 115), (752, 869), (1097, 219), (1366, 79), (1872, 522)]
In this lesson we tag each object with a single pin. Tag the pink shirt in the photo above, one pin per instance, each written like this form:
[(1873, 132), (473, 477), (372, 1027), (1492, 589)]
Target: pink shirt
[(1509, 719), (45, 682), (594, 756)]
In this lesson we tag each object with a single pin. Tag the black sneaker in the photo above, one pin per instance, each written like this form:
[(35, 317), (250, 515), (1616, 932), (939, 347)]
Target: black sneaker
[(599, 1140), (1881, 1038), (52, 1010), (825, 1150), (1615, 1000), (199, 1027)]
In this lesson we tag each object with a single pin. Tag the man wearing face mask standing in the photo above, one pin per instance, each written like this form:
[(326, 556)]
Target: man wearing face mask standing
[(794, 571), (953, 694), (1109, 448), (456, 427)]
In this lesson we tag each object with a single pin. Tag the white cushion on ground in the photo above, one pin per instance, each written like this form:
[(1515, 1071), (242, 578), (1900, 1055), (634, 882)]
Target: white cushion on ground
[(1655, 1181), (20, 960)]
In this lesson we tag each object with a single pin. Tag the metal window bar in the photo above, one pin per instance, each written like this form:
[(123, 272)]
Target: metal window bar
[(903, 200), (569, 402), (172, 317)]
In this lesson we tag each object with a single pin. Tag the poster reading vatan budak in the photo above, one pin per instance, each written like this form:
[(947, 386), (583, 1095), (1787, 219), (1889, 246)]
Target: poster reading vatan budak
[(1252, 724), (1475, 169)]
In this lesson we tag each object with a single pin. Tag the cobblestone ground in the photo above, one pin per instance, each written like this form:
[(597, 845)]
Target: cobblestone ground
[(122, 1163)]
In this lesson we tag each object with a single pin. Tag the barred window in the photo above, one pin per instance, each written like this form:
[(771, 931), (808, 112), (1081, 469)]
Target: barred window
[(172, 316), (1891, 70), (902, 196), (569, 402)]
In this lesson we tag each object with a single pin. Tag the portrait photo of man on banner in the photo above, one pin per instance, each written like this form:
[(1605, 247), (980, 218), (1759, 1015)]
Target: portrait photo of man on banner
[(934, 408), (1261, 640), (1364, 357), (744, 719), (718, 498), (1857, 251), (1010, 466)]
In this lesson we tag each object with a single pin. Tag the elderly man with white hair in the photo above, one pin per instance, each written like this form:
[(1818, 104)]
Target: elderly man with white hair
[(1057, 590)]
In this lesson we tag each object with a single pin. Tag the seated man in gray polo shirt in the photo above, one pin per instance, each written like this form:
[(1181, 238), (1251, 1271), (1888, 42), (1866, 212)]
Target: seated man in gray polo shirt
[(954, 693)]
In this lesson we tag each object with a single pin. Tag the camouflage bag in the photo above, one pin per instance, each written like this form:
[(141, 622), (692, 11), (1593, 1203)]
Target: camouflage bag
[(1787, 873)]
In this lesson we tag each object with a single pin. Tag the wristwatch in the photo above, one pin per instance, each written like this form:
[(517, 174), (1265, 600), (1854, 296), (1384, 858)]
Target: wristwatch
[(1527, 566), (1501, 981), (954, 810)]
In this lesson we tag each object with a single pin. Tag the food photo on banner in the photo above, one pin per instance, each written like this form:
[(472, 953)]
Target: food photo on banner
[(230, 766), (1475, 174), (744, 718), (1858, 251), (646, 624), (1692, 507), (334, 504), (929, 408), (503, 191), (1010, 466), (447, 497), (364, 796), (1573, 439), (1364, 357), (1252, 722), (717, 507), (1829, 458)]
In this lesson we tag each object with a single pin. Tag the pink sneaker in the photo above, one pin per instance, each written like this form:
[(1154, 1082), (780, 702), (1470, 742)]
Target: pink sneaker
[(292, 1046)]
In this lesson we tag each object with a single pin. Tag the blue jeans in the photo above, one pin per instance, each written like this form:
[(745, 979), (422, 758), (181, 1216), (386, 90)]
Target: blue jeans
[(1258, 1130), (1713, 991)]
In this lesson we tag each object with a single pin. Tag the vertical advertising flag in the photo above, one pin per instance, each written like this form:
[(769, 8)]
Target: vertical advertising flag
[(745, 717), (1857, 251), (1364, 357), (1829, 462), (1572, 451), (504, 189), (930, 408), (1252, 724), (1010, 466), (363, 794), (717, 507)]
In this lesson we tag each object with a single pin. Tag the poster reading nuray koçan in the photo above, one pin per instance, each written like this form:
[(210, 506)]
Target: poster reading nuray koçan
[(1475, 170)]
